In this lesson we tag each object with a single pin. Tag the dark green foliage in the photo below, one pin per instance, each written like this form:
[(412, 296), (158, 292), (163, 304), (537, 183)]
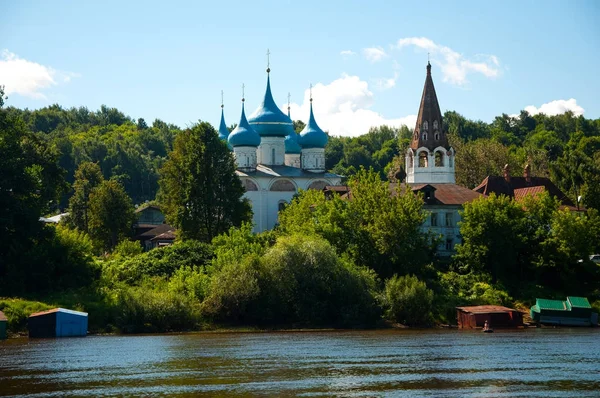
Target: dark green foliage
[(87, 177), (161, 262), (200, 193), (300, 281), (408, 301), (110, 213)]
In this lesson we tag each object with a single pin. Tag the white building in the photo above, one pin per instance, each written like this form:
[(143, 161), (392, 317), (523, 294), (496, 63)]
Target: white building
[(273, 161)]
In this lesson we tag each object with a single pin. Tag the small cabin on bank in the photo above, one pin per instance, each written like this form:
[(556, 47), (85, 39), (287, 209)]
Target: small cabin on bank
[(58, 322), (3, 325), (574, 311), (496, 316)]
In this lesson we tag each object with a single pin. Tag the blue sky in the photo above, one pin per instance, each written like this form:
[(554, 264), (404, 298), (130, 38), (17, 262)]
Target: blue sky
[(366, 60)]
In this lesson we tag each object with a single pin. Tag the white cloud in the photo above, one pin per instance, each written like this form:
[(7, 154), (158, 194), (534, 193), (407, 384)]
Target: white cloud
[(347, 53), (386, 83), (342, 108), (454, 66), (27, 78), (374, 54), (557, 107)]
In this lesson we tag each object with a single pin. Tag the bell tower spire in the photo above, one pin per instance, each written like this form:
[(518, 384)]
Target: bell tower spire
[(430, 159)]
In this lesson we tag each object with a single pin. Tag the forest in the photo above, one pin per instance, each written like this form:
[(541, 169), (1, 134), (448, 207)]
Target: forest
[(329, 263)]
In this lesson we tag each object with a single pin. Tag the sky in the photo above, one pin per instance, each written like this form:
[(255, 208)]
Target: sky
[(365, 60)]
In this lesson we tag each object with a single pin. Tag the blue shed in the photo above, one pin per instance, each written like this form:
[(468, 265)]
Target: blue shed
[(58, 322), (3, 325)]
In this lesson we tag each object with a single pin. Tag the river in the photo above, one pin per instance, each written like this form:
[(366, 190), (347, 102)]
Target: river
[(430, 363)]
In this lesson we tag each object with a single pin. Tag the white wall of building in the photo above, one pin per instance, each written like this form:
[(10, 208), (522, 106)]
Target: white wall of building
[(271, 151)]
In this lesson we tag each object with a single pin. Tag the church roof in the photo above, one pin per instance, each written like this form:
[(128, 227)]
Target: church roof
[(291, 144), (312, 136), (244, 134), (428, 118), (283, 171), (223, 130), (268, 119)]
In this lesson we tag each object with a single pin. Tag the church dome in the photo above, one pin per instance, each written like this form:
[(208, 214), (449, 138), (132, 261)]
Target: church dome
[(312, 136), (291, 144), (243, 134), (268, 120), (223, 131)]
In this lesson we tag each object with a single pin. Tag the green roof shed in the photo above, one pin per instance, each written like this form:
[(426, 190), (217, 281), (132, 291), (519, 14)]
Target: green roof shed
[(574, 311)]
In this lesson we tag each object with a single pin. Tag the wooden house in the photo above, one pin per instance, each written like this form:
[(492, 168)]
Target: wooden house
[(496, 316)]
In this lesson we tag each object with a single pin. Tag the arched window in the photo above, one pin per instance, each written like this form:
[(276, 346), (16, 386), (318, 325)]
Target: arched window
[(318, 185), (249, 185), (423, 159), (272, 155), (283, 186), (424, 135), (437, 136), (439, 159), (281, 205), (425, 125), (435, 124)]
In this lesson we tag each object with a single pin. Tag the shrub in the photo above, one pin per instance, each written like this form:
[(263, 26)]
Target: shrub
[(408, 300), (127, 249), (143, 310), (190, 281), (159, 262), (17, 311)]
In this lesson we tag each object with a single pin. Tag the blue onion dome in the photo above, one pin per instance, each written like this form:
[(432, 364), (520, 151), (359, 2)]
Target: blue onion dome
[(268, 120), (291, 144), (312, 136), (223, 131), (243, 134)]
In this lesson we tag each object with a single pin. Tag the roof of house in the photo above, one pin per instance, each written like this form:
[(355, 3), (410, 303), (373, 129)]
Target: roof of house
[(486, 309), (160, 229), (144, 207), (59, 310), (513, 187), (169, 235), (283, 171)]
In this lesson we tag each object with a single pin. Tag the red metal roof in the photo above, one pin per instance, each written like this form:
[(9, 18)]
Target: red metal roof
[(499, 186), (44, 312), (485, 309), (3, 317), (520, 193)]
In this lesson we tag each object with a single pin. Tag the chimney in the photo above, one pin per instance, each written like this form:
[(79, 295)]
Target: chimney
[(527, 173), (506, 172)]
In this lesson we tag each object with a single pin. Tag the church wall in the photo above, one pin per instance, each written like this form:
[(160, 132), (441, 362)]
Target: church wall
[(266, 202), (271, 151), (292, 160), (313, 159)]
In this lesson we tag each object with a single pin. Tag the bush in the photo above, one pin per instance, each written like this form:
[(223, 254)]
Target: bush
[(17, 311), (300, 281), (408, 300), (190, 281), (143, 310), (127, 249), (161, 262)]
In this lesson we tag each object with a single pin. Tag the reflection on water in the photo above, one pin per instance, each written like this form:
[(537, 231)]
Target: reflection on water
[(536, 362)]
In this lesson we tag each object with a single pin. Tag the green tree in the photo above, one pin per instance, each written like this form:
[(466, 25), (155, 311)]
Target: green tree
[(111, 213), (199, 190), (408, 301), (87, 177)]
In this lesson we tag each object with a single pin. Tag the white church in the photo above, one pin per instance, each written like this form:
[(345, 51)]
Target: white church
[(273, 161)]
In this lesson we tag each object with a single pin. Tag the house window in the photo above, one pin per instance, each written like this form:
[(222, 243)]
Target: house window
[(434, 221), (424, 136), (272, 155), (437, 136), (449, 219), (449, 244)]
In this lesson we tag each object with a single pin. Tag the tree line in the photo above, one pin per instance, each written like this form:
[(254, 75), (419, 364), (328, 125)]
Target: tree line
[(330, 262)]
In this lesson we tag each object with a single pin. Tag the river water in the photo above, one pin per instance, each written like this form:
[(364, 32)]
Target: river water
[(431, 363)]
